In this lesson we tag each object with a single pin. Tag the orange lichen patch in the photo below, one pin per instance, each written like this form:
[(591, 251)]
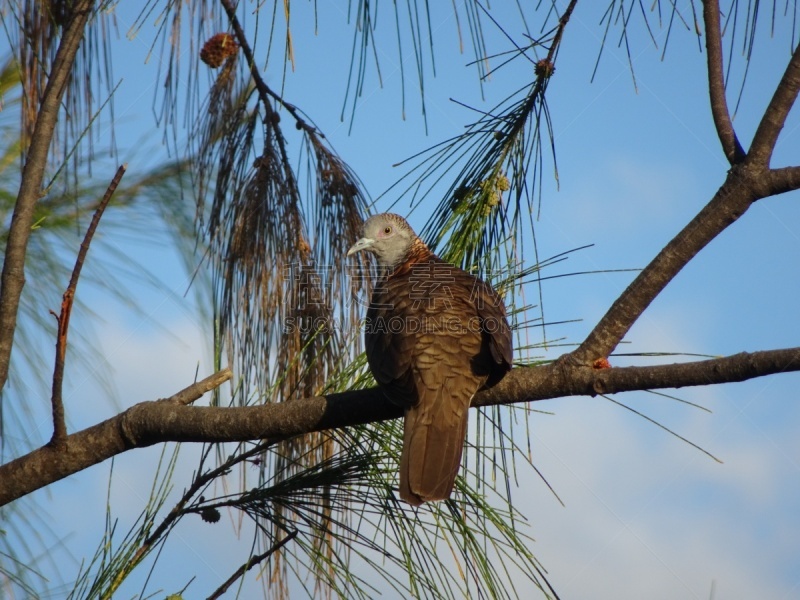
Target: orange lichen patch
[(544, 69), (601, 363)]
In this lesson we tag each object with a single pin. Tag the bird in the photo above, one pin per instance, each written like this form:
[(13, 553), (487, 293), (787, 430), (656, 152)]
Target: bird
[(434, 335)]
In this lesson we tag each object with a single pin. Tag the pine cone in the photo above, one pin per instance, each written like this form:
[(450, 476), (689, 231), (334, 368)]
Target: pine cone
[(210, 515), (217, 49)]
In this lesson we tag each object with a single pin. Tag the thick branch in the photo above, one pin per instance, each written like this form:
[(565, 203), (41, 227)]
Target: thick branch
[(716, 84), (561, 379), (744, 185), (13, 278), (150, 423), (90, 446), (774, 118), (749, 180)]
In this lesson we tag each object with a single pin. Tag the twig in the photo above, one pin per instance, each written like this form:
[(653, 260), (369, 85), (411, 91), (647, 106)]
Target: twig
[(264, 91), (252, 563), (543, 75), (196, 390), (201, 481), (562, 24), (67, 301), (30, 189), (716, 84), (264, 94), (178, 511)]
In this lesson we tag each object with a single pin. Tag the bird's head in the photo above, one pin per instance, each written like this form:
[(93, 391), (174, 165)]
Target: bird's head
[(389, 237)]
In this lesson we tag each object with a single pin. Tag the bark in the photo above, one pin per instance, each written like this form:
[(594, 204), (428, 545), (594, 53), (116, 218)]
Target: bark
[(716, 84), (13, 277), (174, 420), (744, 185), (59, 420), (784, 180), (771, 124)]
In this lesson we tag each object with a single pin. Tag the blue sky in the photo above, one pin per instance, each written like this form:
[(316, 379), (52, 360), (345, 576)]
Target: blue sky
[(646, 515)]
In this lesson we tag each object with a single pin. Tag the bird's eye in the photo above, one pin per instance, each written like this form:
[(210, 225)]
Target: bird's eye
[(387, 230)]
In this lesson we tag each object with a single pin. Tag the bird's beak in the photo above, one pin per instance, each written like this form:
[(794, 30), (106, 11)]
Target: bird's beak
[(363, 244)]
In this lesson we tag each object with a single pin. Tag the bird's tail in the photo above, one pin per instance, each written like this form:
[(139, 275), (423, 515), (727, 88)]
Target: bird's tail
[(433, 440)]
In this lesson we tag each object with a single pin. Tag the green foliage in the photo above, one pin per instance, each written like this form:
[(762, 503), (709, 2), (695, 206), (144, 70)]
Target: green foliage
[(115, 559), (143, 199)]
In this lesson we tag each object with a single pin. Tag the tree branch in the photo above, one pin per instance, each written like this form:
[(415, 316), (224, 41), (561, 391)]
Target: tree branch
[(786, 179), (30, 190), (749, 180), (716, 84), (93, 445), (561, 379), (150, 423), (264, 91), (252, 562), (744, 185), (772, 122), (59, 422)]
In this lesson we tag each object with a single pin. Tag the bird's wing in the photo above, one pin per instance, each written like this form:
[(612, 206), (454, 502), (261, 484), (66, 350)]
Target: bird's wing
[(435, 334), (389, 343), (498, 355)]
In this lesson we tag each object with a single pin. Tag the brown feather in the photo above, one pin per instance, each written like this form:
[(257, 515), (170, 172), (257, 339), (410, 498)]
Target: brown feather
[(431, 352), (434, 336)]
